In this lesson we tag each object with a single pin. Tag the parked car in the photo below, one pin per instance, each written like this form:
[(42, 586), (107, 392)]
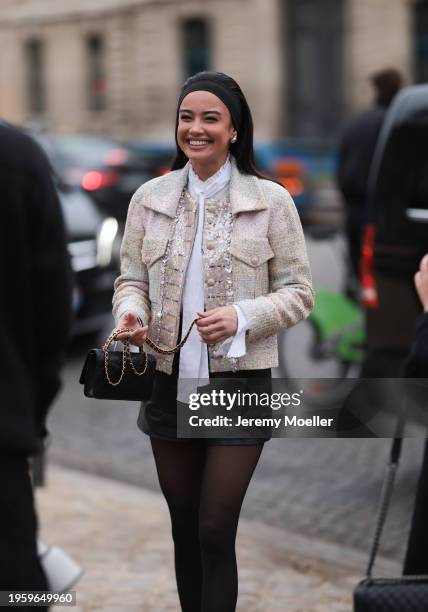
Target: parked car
[(158, 156), (107, 170), (93, 243), (307, 169), (396, 232)]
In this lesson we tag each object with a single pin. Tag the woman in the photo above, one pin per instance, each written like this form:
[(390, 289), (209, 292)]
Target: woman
[(215, 241)]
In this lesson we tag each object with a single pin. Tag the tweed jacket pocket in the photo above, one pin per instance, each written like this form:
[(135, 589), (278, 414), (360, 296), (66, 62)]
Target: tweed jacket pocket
[(251, 273), (153, 249), (152, 252)]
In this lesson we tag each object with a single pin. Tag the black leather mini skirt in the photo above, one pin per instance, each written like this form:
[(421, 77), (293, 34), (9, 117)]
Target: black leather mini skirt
[(158, 415)]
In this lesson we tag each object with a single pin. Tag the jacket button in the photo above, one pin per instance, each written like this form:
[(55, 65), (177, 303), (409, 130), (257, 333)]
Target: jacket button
[(211, 209), (210, 282), (210, 245), (254, 261)]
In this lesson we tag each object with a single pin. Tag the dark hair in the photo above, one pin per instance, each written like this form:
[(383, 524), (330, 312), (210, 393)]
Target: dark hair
[(387, 84), (242, 149)]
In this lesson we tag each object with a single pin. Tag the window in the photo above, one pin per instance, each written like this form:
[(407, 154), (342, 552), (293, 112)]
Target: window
[(313, 69), (196, 46), (34, 60), (97, 85), (421, 41)]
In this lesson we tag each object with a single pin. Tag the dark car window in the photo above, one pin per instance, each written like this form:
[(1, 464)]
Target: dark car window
[(401, 197), (419, 198)]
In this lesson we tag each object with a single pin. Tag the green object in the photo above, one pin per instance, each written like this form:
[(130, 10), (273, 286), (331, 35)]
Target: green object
[(339, 321)]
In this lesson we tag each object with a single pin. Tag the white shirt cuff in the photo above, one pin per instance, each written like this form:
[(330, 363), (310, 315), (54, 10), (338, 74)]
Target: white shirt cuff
[(235, 345)]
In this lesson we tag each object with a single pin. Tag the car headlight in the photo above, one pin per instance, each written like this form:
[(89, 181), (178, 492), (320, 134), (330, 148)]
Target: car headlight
[(105, 241)]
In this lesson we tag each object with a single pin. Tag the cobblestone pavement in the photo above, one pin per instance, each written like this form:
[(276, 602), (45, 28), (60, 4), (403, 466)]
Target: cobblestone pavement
[(120, 535), (323, 488)]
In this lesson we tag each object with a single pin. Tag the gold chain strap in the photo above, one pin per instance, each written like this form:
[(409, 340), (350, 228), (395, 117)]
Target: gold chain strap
[(176, 348), (129, 359), (126, 354)]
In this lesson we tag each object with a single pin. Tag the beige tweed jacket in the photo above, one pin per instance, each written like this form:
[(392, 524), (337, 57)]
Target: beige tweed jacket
[(254, 256)]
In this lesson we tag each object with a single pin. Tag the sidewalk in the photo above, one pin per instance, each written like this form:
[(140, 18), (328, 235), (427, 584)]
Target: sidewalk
[(120, 535)]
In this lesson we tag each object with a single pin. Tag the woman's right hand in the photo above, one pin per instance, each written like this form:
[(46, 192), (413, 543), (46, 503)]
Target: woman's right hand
[(421, 282), (138, 334)]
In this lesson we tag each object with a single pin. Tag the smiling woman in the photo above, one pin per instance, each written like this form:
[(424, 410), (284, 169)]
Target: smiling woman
[(205, 131), (214, 241)]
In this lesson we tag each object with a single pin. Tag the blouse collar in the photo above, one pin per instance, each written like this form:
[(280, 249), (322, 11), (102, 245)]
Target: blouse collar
[(213, 184)]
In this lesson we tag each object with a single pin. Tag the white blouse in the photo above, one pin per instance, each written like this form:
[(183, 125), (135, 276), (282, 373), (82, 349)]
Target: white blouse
[(194, 353)]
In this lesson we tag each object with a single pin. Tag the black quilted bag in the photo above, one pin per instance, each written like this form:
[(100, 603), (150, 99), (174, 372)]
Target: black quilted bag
[(122, 375), (118, 375), (402, 594), (405, 594)]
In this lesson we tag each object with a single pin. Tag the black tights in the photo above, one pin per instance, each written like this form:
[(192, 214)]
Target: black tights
[(204, 488)]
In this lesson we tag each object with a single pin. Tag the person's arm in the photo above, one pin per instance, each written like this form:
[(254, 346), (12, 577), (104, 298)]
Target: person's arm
[(416, 364), (52, 285), (132, 286), (291, 297)]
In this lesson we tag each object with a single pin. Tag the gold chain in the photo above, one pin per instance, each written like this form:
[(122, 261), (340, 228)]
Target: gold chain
[(131, 363), (176, 348), (126, 354), (105, 349)]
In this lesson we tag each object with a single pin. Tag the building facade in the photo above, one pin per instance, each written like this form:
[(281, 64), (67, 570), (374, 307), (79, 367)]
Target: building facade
[(115, 66)]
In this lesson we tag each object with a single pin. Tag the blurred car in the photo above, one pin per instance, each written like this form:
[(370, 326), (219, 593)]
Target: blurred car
[(158, 156), (396, 233), (94, 241), (306, 169), (93, 244), (107, 170)]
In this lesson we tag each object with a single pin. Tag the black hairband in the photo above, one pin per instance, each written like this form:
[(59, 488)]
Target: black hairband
[(226, 96)]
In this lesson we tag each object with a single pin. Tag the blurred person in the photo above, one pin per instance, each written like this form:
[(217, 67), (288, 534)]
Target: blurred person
[(34, 322), (215, 241), (416, 366), (355, 155)]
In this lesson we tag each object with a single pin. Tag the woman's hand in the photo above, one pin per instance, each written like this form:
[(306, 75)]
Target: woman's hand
[(421, 282), (217, 324), (138, 333)]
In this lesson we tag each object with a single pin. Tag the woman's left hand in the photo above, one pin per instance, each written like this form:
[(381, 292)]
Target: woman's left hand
[(217, 324)]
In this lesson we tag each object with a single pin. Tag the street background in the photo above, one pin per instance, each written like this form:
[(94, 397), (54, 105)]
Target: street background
[(96, 83)]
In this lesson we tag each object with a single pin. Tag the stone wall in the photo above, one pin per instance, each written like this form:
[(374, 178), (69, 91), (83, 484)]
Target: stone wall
[(378, 35), (144, 63)]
